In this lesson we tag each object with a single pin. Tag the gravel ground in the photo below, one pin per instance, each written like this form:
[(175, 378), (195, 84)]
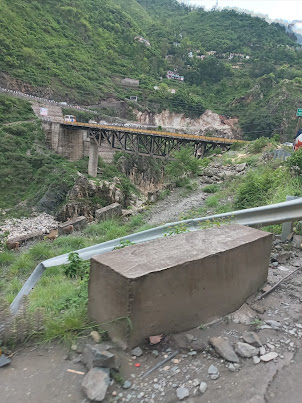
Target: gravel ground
[(24, 226), (175, 205)]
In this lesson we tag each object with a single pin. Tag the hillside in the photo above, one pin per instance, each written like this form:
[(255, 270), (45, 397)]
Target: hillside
[(78, 52)]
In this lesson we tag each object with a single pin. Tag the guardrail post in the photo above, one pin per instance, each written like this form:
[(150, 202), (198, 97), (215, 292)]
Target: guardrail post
[(287, 227)]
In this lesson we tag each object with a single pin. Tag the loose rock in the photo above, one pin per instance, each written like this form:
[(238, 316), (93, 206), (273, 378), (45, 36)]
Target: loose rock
[(95, 384), (224, 349), (256, 359), (137, 352), (127, 385), (203, 387), (246, 350), (182, 393), (96, 337), (98, 356), (252, 338), (213, 372), (274, 324), (269, 357)]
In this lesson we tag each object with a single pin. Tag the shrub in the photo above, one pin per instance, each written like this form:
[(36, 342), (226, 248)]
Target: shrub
[(295, 161), (211, 188), (256, 146)]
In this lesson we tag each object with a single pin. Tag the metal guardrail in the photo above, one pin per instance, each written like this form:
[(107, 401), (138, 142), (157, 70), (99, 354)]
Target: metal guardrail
[(265, 215)]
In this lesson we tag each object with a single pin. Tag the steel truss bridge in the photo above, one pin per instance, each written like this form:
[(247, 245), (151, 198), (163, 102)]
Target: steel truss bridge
[(157, 144)]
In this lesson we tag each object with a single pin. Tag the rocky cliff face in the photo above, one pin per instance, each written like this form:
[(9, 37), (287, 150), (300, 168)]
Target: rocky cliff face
[(209, 123), (145, 173), (86, 196)]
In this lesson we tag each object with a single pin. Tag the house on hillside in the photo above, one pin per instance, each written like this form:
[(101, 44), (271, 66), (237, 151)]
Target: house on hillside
[(173, 75)]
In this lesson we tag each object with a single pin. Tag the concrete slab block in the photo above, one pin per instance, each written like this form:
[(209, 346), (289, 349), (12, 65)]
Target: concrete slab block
[(76, 224), (111, 211), (176, 283)]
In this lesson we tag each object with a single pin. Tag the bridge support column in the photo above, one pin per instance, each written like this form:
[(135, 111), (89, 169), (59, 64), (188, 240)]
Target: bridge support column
[(93, 158)]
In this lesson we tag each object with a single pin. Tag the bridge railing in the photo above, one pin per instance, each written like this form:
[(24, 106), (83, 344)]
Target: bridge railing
[(155, 133)]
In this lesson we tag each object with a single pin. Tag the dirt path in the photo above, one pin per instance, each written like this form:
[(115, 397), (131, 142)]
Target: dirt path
[(174, 206), (39, 374)]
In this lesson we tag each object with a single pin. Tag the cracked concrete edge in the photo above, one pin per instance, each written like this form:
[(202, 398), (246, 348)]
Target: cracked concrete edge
[(274, 370)]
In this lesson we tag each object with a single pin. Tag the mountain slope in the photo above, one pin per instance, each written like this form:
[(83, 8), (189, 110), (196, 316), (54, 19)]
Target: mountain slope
[(77, 51)]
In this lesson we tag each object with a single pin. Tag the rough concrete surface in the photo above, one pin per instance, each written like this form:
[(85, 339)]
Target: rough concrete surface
[(206, 274)]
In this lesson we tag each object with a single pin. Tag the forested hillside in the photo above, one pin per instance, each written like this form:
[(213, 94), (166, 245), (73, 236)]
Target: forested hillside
[(79, 50)]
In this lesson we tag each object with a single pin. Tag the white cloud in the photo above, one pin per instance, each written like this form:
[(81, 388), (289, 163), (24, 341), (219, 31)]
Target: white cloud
[(276, 9)]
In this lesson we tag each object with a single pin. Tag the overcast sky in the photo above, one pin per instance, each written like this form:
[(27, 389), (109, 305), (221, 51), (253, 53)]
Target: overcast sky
[(276, 9)]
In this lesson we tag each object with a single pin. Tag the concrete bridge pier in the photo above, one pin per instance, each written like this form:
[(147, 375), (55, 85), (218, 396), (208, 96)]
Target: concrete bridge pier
[(93, 158)]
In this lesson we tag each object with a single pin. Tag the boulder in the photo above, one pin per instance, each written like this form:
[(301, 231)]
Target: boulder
[(96, 383)]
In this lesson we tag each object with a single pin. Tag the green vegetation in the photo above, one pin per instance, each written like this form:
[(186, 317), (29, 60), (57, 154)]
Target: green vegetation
[(60, 298), (28, 169), (183, 164), (82, 49)]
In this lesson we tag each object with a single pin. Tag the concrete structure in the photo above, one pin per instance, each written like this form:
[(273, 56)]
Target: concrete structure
[(76, 224), (93, 158), (176, 283), (71, 144), (105, 213)]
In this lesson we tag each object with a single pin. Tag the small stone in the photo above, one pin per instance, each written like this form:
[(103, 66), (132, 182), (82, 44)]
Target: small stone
[(252, 338), (203, 387), (155, 353), (140, 395), (190, 337), (96, 383), (195, 382), (232, 368), (96, 337), (137, 352), (274, 324), (246, 350), (269, 357), (224, 349), (166, 368), (213, 372), (283, 257), (262, 350), (74, 347), (192, 353), (256, 359), (127, 385), (182, 393), (270, 346)]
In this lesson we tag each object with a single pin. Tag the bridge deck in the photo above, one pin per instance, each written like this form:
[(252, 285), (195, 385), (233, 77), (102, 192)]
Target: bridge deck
[(192, 137)]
